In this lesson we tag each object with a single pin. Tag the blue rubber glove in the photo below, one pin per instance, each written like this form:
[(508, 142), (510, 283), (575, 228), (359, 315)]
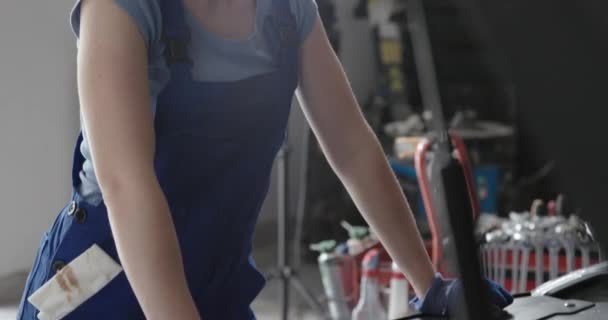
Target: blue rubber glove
[(443, 295)]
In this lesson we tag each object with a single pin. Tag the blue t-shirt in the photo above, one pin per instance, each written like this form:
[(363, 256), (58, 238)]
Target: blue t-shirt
[(214, 58)]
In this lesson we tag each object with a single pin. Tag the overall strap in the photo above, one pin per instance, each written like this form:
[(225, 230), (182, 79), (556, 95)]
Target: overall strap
[(176, 33), (281, 10), (284, 23)]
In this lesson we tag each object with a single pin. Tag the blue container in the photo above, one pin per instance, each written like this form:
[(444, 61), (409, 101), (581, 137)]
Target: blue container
[(486, 181), (408, 172)]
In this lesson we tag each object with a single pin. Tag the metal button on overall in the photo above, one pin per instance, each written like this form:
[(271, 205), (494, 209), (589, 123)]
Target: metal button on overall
[(80, 215), (72, 208), (57, 265)]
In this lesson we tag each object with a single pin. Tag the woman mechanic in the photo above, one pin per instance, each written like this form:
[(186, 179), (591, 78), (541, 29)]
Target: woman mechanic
[(184, 105)]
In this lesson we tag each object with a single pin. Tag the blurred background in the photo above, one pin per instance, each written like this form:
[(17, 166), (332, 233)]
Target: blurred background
[(520, 84)]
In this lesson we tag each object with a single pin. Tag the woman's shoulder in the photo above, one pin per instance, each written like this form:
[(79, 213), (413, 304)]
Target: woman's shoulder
[(146, 15), (305, 12)]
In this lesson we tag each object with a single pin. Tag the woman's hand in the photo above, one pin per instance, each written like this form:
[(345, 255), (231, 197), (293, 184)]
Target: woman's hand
[(356, 156), (115, 103), (444, 296)]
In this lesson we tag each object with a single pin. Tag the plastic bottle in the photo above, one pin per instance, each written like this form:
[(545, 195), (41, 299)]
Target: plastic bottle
[(348, 275), (357, 235), (330, 267), (398, 305), (369, 306)]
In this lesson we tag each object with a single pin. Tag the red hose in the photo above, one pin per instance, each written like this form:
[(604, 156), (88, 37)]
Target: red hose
[(463, 157), (425, 189)]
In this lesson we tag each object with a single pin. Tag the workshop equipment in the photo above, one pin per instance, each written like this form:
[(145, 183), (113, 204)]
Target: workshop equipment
[(369, 306), (579, 295), (341, 268), (331, 267), (422, 173), (398, 304), (454, 197), (559, 245), (577, 36)]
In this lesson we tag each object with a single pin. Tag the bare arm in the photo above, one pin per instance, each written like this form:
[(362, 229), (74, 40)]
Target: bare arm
[(114, 97), (356, 156)]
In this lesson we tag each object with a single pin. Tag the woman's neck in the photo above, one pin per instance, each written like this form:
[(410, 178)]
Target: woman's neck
[(233, 19)]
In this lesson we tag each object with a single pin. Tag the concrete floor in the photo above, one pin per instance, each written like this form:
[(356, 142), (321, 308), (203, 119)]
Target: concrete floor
[(265, 306)]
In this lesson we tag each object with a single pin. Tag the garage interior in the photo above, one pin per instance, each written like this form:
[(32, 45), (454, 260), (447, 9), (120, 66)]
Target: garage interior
[(513, 94)]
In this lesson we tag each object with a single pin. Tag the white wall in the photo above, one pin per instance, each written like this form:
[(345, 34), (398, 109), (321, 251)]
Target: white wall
[(38, 123)]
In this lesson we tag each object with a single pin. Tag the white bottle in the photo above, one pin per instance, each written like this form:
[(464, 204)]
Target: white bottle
[(369, 306), (398, 305)]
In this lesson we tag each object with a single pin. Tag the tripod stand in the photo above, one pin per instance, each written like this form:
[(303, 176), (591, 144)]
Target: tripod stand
[(283, 272)]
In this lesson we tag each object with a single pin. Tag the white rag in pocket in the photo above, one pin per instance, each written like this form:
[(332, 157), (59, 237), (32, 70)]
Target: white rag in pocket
[(74, 284)]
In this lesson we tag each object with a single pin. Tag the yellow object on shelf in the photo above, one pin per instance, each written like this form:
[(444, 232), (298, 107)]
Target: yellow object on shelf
[(405, 147)]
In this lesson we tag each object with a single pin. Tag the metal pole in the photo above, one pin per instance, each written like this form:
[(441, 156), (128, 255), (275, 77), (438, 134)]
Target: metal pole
[(454, 206), (423, 57), (284, 273), (282, 201)]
